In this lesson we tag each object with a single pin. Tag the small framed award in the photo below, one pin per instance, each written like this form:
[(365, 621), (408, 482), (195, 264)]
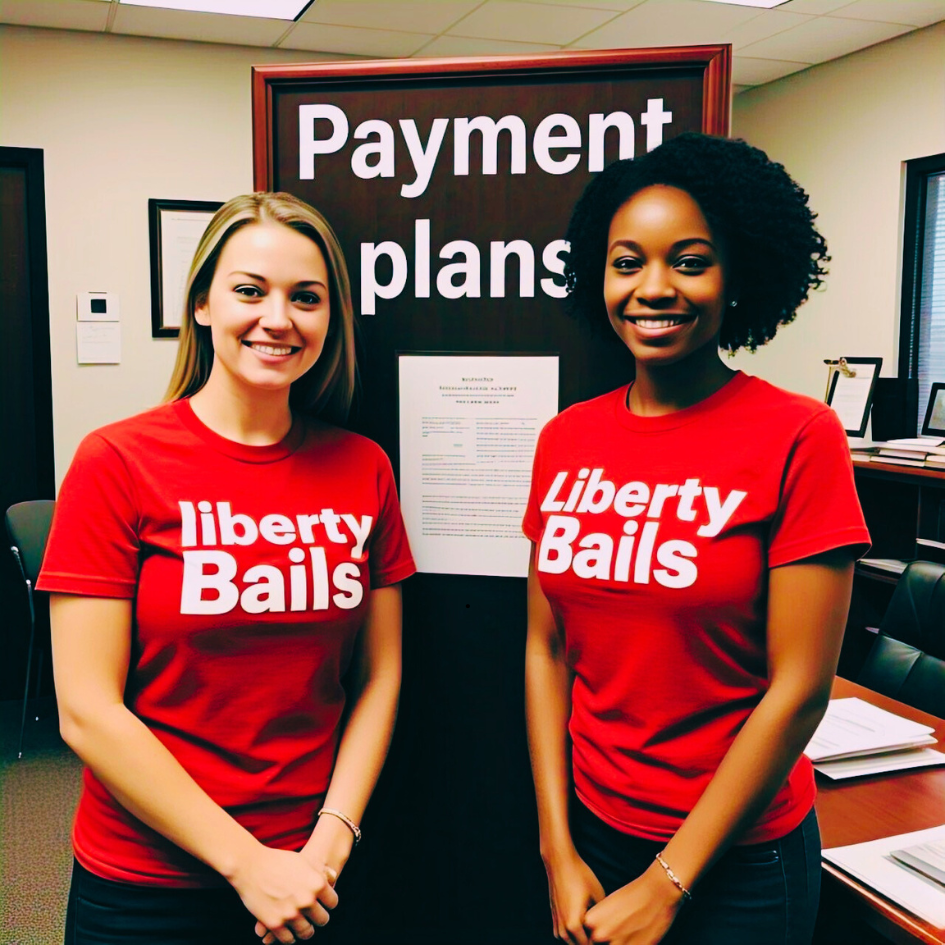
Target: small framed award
[(934, 424), (851, 392), (175, 228)]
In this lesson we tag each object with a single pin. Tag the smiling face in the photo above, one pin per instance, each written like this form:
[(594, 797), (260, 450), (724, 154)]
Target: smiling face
[(664, 282), (267, 308)]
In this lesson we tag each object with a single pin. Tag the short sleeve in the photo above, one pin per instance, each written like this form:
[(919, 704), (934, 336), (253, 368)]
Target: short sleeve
[(818, 509), (93, 546), (390, 557), (532, 522)]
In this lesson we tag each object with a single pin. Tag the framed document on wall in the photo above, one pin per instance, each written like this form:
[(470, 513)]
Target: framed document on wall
[(174, 229), (851, 392)]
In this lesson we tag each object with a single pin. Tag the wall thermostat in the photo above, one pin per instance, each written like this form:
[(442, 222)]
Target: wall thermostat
[(97, 307)]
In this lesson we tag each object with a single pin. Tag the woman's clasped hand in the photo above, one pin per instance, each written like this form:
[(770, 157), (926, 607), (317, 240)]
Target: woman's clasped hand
[(639, 913), (287, 894)]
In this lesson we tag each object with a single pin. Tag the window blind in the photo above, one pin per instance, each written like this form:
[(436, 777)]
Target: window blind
[(932, 293)]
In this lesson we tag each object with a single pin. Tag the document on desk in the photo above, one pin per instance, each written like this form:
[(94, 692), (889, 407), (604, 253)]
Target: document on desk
[(880, 764), (853, 728), (873, 863)]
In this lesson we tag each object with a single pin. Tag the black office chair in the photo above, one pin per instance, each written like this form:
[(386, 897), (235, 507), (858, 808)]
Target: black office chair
[(907, 660), (28, 528)]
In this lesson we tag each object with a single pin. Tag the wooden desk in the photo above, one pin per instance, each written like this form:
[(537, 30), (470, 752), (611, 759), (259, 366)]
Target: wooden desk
[(883, 805)]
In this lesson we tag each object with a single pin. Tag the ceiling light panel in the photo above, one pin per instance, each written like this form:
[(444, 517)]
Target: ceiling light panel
[(267, 9), (763, 4)]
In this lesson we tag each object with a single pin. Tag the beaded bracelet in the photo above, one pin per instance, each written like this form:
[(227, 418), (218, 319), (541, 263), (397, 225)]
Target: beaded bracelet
[(674, 879), (346, 820)]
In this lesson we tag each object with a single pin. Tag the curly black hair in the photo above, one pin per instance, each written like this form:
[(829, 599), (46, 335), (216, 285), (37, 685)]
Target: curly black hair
[(776, 256)]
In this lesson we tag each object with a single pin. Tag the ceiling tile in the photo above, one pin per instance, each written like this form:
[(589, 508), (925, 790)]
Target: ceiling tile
[(769, 23), (56, 14), (384, 44), (823, 38), (409, 16), (199, 27), (910, 12), (470, 46), (814, 7), (747, 71), (669, 23), (529, 22)]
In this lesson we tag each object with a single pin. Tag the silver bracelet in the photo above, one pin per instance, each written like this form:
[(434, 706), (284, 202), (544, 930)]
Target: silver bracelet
[(346, 820), (674, 879)]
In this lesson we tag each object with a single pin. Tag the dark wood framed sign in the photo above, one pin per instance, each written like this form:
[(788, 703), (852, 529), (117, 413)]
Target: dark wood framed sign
[(174, 227), (450, 183)]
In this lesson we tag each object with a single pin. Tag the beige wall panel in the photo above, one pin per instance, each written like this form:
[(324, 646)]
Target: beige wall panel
[(843, 129), (121, 119)]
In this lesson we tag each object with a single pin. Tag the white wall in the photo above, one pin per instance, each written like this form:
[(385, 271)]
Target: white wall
[(121, 119), (842, 130)]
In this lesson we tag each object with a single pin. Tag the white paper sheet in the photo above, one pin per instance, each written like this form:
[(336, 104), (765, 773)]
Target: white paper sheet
[(872, 864), (468, 428), (878, 764), (180, 232), (850, 396), (98, 342), (852, 727)]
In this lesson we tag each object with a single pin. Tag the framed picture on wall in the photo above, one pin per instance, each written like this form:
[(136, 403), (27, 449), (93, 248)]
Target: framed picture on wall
[(934, 424), (175, 228)]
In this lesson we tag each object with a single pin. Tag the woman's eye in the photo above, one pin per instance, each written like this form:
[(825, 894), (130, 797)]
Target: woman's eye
[(250, 291), (692, 263), (626, 264), (306, 298)]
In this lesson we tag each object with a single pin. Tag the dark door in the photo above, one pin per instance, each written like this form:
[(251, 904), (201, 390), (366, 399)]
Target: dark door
[(26, 440)]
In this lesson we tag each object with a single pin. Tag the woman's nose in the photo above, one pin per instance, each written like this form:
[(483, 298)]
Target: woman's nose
[(656, 285), (276, 316)]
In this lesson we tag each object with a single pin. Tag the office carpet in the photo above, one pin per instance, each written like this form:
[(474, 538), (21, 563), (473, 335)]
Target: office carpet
[(38, 795)]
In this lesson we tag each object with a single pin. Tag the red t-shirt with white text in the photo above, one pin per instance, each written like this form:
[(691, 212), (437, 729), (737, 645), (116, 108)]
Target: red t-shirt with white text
[(249, 568), (654, 537)]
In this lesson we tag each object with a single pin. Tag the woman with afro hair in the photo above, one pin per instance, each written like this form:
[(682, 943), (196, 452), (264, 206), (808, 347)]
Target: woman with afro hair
[(694, 534)]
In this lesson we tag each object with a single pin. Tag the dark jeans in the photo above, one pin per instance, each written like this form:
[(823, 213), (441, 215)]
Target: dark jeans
[(103, 912), (763, 894)]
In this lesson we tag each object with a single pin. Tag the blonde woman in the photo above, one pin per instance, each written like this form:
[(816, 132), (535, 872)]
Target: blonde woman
[(216, 565)]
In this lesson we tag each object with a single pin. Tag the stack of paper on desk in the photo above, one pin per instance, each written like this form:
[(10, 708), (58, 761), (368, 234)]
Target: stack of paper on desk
[(857, 738), (877, 865), (925, 858)]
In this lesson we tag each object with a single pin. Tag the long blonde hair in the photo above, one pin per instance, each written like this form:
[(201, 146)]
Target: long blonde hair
[(328, 387)]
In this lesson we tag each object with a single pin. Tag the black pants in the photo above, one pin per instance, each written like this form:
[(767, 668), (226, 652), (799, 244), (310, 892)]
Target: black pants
[(762, 894), (103, 912)]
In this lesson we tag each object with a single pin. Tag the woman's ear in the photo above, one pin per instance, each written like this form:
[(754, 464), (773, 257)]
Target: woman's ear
[(201, 311)]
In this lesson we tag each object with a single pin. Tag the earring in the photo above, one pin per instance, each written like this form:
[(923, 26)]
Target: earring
[(733, 303)]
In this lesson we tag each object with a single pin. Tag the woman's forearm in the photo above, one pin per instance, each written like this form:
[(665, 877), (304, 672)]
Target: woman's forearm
[(547, 712), (91, 640), (803, 647), (149, 782), (367, 734), (750, 775)]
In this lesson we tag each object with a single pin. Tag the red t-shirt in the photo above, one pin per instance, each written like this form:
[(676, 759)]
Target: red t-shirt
[(250, 569), (654, 540)]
